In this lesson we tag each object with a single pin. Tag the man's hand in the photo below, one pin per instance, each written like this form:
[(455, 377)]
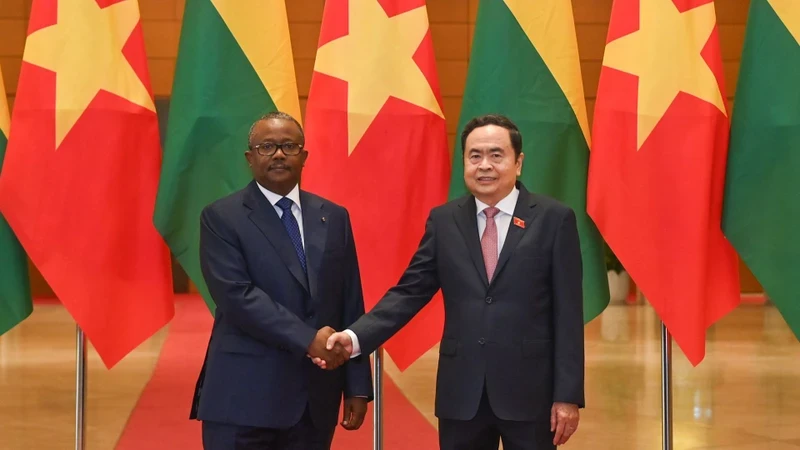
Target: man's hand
[(355, 409), (327, 358), (564, 419), (335, 340)]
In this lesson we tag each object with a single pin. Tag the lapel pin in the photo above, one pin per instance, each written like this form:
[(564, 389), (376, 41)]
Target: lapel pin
[(519, 222), (323, 219)]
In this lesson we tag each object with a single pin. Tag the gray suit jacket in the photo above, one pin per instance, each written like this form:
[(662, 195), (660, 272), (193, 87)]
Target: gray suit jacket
[(520, 336)]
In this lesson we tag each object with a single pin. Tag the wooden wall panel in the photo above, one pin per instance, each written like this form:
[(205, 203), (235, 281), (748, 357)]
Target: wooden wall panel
[(158, 10)]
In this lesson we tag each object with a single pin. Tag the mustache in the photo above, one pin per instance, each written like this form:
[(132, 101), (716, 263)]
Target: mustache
[(279, 166)]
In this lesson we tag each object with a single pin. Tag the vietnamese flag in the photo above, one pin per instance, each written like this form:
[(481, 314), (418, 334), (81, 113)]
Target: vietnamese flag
[(81, 171), (657, 167), (377, 143)]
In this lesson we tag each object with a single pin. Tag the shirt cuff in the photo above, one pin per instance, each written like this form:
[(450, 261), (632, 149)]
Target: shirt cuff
[(356, 345)]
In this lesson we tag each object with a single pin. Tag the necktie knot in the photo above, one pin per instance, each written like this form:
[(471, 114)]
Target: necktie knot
[(285, 204), (490, 212)]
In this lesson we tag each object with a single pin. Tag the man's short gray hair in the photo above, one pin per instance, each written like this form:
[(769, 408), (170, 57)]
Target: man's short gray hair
[(279, 115)]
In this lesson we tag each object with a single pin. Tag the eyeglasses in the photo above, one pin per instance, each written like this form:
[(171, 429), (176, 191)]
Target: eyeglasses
[(269, 148)]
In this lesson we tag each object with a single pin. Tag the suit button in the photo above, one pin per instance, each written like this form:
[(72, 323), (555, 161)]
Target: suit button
[(489, 300), (481, 341)]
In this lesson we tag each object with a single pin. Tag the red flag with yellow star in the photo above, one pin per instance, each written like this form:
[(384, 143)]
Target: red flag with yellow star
[(377, 143), (81, 171), (657, 167)]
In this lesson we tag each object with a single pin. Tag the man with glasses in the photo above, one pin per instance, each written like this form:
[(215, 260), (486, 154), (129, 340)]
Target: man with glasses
[(281, 266)]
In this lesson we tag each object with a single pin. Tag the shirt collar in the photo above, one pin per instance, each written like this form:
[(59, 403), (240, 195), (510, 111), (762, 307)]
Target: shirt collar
[(505, 205), (273, 198)]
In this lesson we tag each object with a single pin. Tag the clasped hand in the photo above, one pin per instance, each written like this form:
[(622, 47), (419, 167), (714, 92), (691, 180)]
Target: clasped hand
[(324, 356)]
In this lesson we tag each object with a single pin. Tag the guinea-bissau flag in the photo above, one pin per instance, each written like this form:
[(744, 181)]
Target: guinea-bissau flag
[(657, 166), (81, 171), (377, 143), (762, 194), (15, 292), (234, 65), (525, 65)]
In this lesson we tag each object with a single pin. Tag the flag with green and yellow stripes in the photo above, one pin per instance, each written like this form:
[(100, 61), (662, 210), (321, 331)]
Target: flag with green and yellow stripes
[(15, 293), (234, 65), (525, 65), (762, 189)]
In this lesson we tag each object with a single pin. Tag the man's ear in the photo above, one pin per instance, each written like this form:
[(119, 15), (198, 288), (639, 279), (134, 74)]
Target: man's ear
[(248, 155)]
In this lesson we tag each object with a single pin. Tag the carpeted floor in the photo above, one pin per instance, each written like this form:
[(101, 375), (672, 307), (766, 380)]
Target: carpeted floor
[(160, 418)]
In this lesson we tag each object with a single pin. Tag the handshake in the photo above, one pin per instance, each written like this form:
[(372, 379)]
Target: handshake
[(330, 349)]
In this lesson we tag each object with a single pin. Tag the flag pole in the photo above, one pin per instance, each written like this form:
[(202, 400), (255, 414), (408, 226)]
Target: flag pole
[(80, 388), (377, 410), (666, 388)]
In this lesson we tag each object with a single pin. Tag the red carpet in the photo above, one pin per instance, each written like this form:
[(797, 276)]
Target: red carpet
[(160, 418)]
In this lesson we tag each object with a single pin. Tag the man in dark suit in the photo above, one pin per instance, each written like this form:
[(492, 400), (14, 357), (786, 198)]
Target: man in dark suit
[(281, 266), (511, 360)]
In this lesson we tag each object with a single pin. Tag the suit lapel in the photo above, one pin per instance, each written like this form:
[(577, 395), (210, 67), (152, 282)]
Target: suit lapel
[(315, 231), (525, 210), (466, 218), (264, 216)]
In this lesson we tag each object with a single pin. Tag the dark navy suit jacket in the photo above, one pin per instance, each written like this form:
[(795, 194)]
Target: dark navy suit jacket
[(256, 371)]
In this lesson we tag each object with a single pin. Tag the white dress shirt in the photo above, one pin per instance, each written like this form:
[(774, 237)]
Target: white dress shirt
[(503, 222), (294, 196)]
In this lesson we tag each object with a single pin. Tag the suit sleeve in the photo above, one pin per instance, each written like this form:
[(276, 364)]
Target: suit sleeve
[(568, 314), (358, 375), (401, 303), (251, 309)]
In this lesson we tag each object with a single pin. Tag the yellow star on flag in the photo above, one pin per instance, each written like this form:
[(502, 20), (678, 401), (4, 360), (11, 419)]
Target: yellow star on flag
[(84, 49), (376, 60), (665, 53)]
